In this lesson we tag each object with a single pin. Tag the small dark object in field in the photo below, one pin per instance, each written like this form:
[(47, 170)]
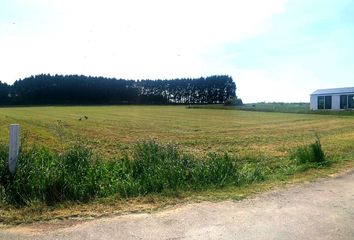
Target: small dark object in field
[(80, 119), (253, 105), (86, 117)]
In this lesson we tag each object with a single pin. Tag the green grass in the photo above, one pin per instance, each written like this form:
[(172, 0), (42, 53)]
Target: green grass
[(75, 175), (262, 107), (111, 130), (278, 107), (312, 153), (290, 108), (193, 151)]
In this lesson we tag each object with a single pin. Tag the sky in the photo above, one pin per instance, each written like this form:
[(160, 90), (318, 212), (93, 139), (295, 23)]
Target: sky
[(275, 50)]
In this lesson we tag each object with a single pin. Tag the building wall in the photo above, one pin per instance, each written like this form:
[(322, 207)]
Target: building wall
[(313, 102), (335, 101)]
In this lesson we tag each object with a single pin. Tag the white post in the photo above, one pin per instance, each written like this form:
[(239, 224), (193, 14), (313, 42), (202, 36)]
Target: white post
[(14, 146)]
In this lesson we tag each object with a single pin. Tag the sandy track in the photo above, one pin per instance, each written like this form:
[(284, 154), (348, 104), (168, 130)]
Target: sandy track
[(319, 210)]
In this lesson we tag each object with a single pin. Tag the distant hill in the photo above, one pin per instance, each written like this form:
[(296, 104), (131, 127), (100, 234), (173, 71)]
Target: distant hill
[(78, 89)]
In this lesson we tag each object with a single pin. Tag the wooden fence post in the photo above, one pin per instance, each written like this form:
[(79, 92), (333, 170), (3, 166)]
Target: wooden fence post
[(14, 146)]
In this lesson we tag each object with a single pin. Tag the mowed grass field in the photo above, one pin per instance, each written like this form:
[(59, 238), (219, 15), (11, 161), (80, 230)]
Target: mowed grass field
[(113, 130)]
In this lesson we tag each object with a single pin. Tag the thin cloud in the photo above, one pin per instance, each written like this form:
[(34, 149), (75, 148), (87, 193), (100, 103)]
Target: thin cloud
[(275, 50), (131, 39)]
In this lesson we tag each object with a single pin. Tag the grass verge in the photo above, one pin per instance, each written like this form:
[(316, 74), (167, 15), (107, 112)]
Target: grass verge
[(75, 184), (76, 175)]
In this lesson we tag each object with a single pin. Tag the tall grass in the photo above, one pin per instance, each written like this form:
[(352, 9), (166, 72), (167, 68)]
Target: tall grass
[(77, 175), (312, 153)]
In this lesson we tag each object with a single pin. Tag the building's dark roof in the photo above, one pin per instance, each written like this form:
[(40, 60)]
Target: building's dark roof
[(333, 91)]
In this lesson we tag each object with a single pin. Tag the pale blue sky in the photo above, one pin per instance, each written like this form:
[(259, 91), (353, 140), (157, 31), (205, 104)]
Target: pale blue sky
[(279, 50)]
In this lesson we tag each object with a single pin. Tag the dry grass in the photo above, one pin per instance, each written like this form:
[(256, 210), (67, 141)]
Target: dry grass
[(112, 129)]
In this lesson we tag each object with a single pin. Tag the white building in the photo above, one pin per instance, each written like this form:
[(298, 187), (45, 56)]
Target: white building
[(332, 99)]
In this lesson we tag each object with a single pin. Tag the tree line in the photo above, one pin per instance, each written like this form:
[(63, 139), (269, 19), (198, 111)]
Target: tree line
[(79, 89)]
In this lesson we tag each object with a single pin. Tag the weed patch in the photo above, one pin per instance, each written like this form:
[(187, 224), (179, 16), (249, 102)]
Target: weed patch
[(76, 175), (47, 177), (310, 154)]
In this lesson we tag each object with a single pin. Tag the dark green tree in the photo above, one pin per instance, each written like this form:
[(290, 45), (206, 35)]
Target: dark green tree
[(79, 89)]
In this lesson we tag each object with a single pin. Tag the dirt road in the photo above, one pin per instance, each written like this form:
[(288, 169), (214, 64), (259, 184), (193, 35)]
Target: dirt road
[(320, 210)]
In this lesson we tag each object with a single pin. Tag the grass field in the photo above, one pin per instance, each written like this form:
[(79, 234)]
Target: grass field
[(276, 107), (111, 130)]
